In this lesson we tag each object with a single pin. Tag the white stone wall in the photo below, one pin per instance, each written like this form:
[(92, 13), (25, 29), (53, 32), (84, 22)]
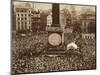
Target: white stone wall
[(88, 36), (49, 20), (22, 19)]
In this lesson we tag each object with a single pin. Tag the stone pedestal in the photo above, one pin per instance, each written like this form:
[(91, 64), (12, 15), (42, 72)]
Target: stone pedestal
[(55, 45)]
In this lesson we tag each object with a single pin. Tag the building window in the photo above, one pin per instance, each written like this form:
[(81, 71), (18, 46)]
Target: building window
[(25, 10), (22, 27), (25, 23), (18, 14), (18, 27), (18, 18), (29, 15), (25, 18), (25, 26), (22, 10), (21, 18), (21, 14), (22, 23)]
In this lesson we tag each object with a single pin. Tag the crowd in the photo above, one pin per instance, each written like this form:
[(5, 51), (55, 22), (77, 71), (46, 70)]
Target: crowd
[(24, 59)]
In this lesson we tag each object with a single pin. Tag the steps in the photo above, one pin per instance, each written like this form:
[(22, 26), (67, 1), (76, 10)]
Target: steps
[(55, 51)]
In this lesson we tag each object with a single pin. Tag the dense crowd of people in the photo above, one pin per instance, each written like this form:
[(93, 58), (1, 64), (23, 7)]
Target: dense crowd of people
[(24, 59)]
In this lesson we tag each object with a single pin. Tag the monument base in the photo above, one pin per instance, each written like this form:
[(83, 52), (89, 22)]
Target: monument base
[(55, 45)]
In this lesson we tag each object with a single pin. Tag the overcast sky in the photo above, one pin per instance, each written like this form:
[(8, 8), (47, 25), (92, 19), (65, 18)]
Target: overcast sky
[(46, 6)]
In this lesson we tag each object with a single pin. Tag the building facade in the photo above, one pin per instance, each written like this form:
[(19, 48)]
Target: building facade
[(26, 19), (49, 19), (43, 21), (23, 19), (35, 19), (88, 22), (65, 18), (39, 21)]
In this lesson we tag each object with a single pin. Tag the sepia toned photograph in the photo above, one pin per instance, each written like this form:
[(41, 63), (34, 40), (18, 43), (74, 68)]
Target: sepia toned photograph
[(52, 37)]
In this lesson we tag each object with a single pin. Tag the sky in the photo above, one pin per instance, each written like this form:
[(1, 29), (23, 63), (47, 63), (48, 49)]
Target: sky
[(46, 6)]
